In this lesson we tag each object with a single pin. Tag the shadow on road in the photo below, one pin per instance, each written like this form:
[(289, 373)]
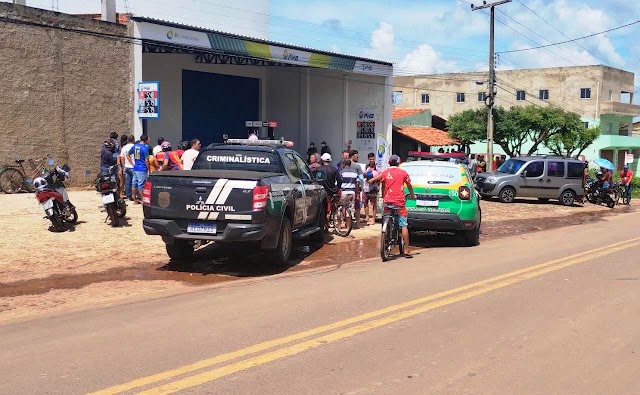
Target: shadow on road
[(240, 260)]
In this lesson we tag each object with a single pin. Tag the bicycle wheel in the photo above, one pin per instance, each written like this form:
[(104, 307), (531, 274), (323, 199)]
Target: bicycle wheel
[(11, 180), (399, 239), (623, 195), (386, 239), (341, 218)]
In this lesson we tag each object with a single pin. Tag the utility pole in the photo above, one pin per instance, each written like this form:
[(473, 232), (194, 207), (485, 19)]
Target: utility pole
[(492, 78)]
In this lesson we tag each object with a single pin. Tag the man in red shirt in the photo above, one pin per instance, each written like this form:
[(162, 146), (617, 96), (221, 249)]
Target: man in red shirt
[(626, 176), (393, 181)]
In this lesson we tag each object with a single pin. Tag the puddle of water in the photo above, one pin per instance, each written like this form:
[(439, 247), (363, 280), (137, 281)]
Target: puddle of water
[(218, 264)]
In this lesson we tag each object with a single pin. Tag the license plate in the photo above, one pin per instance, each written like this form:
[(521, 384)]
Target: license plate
[(427, 203), (47, 205), (106, 199), (202, 227)]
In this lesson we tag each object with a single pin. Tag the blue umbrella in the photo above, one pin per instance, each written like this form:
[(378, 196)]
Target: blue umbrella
[(605, 163)]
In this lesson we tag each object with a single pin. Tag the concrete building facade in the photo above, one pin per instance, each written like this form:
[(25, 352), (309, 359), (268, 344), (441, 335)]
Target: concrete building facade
[(69, 81), (64, 88), (212, 82), (601, 95)]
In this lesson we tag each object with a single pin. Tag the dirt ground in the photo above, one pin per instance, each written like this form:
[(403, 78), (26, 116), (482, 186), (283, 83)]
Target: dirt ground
[(42, 271)]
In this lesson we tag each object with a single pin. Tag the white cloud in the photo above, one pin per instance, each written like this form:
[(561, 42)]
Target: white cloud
[(424, 60), (382, 41), (571, 18)]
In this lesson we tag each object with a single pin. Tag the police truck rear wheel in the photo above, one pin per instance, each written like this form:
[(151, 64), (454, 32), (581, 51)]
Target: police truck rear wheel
[(281, 254), (180, 250)]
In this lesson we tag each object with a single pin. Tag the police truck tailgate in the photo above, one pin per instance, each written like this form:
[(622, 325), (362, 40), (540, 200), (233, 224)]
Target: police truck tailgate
[(203, 195)]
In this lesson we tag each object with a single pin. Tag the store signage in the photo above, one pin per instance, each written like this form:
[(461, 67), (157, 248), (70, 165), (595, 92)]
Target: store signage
[(362, 67), (257, 124), (168, 34), (628, 158), (248, 124), (366, 129), (288, 55), (149, 99), (273, 124)]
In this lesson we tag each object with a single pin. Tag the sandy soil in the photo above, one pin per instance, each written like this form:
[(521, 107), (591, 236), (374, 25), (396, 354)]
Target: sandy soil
[(93, 263)]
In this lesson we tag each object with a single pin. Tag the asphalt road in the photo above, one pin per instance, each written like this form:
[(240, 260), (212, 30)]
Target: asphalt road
[(550, 312)]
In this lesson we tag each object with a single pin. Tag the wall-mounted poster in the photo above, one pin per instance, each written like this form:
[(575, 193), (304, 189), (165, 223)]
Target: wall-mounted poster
[(366, 131)]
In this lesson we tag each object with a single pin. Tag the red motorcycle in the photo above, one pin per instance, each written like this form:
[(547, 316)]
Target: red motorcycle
[(51, 193)]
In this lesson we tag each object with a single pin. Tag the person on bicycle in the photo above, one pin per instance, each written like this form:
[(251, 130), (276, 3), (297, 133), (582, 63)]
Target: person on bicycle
[(331, 180), (626, 176), (393, 181)]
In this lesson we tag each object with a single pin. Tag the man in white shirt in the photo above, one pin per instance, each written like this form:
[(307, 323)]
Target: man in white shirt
[(191, 154), (126, 166), (158, 148)]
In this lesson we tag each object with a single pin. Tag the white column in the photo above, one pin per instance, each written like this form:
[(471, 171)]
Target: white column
[(137, 77), (345, 113), (388, 111)]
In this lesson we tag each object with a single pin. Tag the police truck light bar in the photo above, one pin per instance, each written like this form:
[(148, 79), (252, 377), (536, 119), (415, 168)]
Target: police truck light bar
[(280, 142)]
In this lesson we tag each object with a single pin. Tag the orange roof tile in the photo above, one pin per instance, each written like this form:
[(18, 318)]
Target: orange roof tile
[(405, 112), (426, 135)]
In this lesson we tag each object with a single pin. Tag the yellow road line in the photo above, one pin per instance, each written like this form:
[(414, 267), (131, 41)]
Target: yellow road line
[(163, 376), (214, 374)]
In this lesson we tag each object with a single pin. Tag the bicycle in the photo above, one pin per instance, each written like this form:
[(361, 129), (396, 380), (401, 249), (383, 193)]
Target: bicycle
[(391, 234), (340, 218), (14, 178), (621, 190)]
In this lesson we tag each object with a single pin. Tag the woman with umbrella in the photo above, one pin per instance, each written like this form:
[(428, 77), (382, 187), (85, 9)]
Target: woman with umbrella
[(606, 167)]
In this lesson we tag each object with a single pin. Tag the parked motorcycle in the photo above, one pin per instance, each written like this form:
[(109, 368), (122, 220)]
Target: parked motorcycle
[(597, 194), (52, 195), (107, 185)]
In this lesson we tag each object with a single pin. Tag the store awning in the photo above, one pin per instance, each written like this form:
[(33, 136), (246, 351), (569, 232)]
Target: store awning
[(174, 36)]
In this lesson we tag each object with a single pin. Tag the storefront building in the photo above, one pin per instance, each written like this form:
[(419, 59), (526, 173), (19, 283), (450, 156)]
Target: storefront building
[(211, 84)]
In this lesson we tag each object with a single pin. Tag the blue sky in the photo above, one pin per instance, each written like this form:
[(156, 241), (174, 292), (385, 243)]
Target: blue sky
[(418, 36)]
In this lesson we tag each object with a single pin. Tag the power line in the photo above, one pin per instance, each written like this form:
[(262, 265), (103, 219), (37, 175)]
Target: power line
[(138, 41), (545, 47), (574, 39), (367, 39), (560, 31), (400, 69), (537, 34), (322, 26)]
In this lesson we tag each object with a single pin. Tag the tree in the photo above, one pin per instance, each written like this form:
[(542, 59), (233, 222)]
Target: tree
[(545, 123), (515, 127), (468, 126), (573, 142)]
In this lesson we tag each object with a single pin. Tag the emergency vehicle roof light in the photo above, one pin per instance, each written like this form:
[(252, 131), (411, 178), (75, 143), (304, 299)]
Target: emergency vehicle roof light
[(436, 156)]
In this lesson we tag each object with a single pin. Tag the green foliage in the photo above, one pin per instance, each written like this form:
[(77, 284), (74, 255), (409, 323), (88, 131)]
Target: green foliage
[(468, 126), (516, 126), (573, 142)]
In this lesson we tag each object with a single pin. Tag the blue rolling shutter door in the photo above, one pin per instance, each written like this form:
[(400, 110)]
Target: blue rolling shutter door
[(215, 104)]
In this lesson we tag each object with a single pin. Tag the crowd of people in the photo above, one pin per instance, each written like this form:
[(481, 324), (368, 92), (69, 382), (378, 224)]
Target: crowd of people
[(135, 160), (345, 182), (358, 188)]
